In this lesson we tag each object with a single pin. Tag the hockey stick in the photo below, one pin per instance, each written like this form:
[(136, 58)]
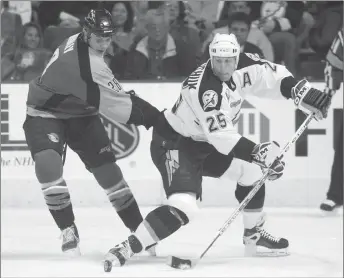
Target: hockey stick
[(180, 263)]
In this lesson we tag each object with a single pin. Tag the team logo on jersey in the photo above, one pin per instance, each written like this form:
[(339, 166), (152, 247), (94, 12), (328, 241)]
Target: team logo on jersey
[(53, 137), (124, 138), (210, 100)]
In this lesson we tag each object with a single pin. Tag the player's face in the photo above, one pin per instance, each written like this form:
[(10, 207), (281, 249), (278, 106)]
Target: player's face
[(99, 43), (224, 67)]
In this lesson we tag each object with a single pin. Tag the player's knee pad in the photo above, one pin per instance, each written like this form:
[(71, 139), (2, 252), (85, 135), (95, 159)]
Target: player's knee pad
[(185, 202), (257, 202), (49, 167), (110, 178), (243, 172), (160, 223)]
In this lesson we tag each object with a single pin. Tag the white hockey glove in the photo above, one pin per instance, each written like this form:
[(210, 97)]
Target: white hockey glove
[(310, 100), (264, 155)]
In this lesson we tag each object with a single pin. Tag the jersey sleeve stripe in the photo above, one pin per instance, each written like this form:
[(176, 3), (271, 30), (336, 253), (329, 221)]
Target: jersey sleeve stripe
[(93, 91)]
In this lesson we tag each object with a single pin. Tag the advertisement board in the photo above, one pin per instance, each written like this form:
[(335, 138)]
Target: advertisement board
[(261, 120)]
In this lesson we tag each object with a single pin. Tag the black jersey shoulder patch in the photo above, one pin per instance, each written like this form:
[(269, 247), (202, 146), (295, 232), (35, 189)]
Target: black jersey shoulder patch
[(210, 89)]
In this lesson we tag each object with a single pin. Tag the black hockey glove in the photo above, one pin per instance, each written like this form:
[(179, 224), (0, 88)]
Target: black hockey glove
[(131, 92), (265, 154), (310, 100)]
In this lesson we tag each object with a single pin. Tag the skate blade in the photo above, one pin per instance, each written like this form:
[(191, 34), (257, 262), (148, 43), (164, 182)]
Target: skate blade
[(151, 251), (75, 252), (333, 213), (111, 261), (260, 251)]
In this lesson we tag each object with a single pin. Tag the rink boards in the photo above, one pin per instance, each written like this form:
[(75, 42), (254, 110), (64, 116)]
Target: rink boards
[(304, 183)]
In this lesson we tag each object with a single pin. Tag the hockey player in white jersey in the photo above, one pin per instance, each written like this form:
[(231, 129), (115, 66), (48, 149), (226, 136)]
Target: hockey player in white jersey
[(204, 141)]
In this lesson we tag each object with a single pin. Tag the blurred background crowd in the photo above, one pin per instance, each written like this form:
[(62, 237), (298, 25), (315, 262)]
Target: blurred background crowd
[(159, 40)]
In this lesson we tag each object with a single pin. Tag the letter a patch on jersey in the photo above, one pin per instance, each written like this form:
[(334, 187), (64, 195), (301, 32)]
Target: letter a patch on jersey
[(210, 100)]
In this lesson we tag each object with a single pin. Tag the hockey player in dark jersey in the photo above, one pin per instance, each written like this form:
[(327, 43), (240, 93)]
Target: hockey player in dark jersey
[(333, 78), (204, 117), (62, 108)]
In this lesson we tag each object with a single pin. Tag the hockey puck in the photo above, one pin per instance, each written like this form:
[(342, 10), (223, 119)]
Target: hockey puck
[(107, 266), (179, 263)]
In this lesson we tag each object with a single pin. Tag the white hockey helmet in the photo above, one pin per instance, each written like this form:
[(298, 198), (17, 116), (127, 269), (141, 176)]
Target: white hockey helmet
[(224, 45)]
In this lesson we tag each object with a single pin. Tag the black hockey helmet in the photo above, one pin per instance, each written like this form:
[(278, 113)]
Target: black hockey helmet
[(99, 22)]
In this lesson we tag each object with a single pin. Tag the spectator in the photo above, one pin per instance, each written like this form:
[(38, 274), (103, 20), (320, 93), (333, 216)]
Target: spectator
[(55, 35), (330, 19), (11, 27), (280, 21), (140, 10), (63, 13), (255, 35), (22, 8), (60, 19), (239, 24), (123, 39), (180, 28), (158, 55), (29, 58), (203, 15), (302, 33)]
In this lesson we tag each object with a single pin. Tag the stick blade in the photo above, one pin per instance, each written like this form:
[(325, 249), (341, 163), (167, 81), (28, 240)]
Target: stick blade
[(179, 263)]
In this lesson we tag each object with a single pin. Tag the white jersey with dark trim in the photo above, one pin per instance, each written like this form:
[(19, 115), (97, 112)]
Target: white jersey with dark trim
[(208, 109)]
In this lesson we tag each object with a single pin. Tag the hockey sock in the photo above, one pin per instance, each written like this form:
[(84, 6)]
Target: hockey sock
[(110, 177), (159, 224), (49, 168), (254, 209), (131, 216), (122, 199)]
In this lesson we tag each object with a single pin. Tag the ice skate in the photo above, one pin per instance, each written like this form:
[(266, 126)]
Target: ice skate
[(120, 254), (329, 207), (151, 249), (259, 242), (70, 241)]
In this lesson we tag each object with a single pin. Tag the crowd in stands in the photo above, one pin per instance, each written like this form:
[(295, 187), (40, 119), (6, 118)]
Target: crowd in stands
[(159, 40)]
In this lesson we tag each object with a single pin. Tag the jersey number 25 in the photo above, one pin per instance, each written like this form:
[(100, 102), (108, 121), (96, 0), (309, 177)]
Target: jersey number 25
[(216, 122)]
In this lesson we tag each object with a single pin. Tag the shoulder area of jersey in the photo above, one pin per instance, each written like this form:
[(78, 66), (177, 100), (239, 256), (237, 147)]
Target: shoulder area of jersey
[(210, 89), (249, 59)]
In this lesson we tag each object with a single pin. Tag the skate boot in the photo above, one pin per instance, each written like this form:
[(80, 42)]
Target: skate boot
[(329, 207), (259, 242), (122, 252), (70, 240)]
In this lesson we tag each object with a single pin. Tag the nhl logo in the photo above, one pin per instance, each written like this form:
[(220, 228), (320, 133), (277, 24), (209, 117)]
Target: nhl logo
[(124, 138)]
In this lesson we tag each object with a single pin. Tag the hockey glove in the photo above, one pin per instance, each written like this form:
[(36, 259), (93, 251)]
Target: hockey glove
[(264, 155), (310, 100), (131, 92)]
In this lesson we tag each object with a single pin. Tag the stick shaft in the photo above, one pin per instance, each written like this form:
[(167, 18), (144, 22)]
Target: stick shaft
[(259, 184)]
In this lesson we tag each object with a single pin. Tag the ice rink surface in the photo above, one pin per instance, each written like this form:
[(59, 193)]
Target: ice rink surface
[(30, 246)]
